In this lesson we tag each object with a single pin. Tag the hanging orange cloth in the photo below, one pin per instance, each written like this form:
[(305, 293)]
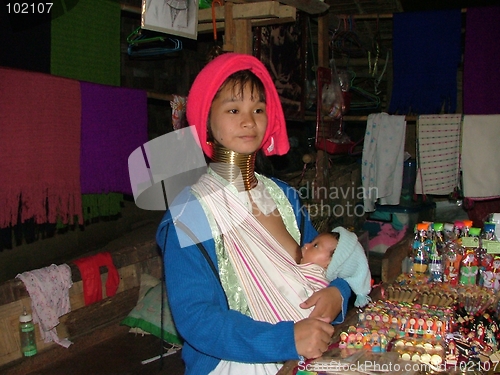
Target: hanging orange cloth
[(91, 276)]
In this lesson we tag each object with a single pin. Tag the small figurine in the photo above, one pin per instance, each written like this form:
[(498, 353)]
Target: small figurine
[(403, 329), (488, 279), (440, 329), (351, 339), (411, 326), (452, 259), (383, 343), (420, 327), (375, 343), (343, 340), (452, 355), (495, 269), (358, 344), (469, 268), (429, 332), (480, 334), (490, 340)]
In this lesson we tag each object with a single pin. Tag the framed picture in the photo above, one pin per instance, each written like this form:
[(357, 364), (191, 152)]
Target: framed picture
[(281, 48), (175, 17)]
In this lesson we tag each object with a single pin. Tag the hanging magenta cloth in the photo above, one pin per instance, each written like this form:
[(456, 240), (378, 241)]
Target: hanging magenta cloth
[(481, 56), (114, 122), (208, 82), (91, 277)]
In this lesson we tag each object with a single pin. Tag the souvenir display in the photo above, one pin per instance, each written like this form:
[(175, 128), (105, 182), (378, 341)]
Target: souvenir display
[(442, 315)]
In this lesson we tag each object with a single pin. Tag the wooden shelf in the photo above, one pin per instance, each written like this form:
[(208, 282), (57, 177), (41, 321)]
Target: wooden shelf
[(260, 14), (312, 7), (237, 19)]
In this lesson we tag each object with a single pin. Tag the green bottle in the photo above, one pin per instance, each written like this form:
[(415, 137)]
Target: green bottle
[(27, 335)]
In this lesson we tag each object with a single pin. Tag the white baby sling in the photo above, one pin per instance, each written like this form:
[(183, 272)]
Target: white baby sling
[(274, 284)]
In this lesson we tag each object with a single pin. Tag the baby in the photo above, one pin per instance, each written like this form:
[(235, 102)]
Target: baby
[(341, 255)]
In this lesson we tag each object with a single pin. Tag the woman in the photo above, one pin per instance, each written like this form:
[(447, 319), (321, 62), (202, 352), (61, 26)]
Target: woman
[(242, 309)]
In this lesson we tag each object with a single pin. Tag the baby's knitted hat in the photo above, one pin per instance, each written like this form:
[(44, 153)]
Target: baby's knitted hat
[(349, 263)]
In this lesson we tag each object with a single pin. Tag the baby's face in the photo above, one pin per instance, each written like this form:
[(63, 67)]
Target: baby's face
[(319, 250)]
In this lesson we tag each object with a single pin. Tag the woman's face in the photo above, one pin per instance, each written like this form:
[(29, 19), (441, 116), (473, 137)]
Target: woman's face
[(238, 119)]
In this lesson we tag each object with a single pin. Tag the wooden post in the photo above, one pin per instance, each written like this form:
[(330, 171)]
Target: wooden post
[(323, 42), (243, 36), (228, 27), (322, 175)]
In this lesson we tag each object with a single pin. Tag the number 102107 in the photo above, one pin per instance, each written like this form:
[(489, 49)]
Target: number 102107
[(29, 8)]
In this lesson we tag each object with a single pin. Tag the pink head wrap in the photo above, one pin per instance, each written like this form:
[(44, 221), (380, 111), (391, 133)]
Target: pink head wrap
[(208, 82)]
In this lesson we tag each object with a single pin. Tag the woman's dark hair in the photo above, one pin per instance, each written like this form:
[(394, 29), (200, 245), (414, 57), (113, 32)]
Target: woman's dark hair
[(239, 80)]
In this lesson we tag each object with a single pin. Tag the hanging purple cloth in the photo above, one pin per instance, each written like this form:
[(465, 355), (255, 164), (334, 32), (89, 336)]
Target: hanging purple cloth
[(426, 56), (114, 123), (481, 61)]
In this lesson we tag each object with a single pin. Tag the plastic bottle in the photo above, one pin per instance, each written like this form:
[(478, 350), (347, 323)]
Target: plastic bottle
[(467, 226), (459, 229), (27, 335), (436, 254), (489, 232), (452, 260), (421, 249)]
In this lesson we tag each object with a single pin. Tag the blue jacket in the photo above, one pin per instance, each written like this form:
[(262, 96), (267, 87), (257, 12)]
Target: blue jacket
[(211, 330)]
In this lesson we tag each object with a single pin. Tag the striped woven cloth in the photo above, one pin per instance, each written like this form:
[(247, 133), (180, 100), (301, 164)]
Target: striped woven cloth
[(438, 153), (274, 284)]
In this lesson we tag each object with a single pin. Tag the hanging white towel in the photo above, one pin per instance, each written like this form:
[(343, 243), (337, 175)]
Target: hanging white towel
[(383, 159), (49, 292), (480, 156), (438, 153)]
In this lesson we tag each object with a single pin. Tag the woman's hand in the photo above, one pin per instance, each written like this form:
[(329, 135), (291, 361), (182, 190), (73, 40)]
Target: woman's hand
[(312, 336), (327, 303)]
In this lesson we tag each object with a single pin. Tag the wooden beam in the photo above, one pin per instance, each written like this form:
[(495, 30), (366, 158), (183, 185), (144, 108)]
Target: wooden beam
[(274, 21), (159, 96), (243, 10), (287, 14), (312, 7), (101, 313), (263, 14), (265, 9)]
